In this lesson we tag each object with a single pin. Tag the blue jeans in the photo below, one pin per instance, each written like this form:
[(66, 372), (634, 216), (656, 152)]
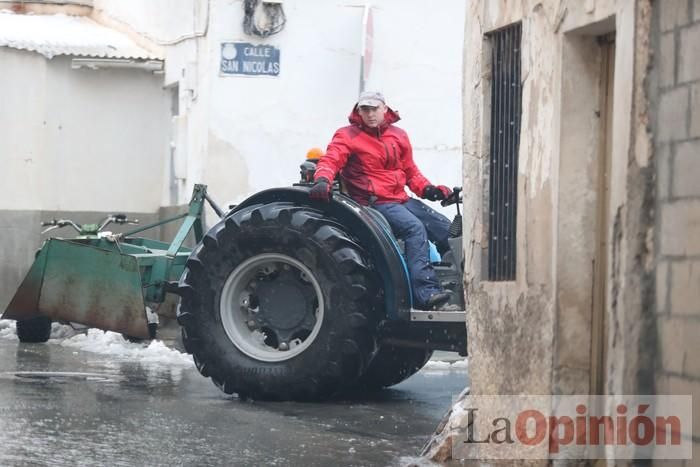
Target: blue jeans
[(414, 222)]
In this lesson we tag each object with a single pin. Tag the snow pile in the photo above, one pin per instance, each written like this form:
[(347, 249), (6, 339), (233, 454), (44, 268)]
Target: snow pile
[(7, 329), (111, 343), (437, 365), (107, 343), (440, 446), (63, 331), (413, 462)]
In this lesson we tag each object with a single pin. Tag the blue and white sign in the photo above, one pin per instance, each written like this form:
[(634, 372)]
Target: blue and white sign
[(243, 58)]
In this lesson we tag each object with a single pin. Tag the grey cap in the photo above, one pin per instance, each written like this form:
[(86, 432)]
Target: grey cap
[(371, 99)]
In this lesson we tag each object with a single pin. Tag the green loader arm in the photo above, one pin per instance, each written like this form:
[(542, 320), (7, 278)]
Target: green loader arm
[(106, 281)]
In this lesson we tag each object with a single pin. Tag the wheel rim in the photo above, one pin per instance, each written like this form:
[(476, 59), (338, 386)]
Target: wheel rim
[(271, 307)]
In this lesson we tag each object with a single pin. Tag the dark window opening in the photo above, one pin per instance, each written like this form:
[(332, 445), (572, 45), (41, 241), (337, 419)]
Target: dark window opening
[(506, 107)]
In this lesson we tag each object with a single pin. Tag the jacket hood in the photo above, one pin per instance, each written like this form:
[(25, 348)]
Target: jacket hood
[(390, 117)]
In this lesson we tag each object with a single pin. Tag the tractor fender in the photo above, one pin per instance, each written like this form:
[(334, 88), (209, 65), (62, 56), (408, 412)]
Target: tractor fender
[(371, 231)]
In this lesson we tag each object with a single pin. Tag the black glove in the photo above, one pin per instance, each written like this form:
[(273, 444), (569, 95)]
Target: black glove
[(321, 191), (436, 193)]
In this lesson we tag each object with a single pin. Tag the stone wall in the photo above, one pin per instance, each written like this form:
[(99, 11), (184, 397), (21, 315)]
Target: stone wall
[(519, 336), (533, 335), (675, 95)]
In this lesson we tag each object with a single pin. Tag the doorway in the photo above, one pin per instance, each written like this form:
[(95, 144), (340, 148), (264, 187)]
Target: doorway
[(586, 122), (599, 331)]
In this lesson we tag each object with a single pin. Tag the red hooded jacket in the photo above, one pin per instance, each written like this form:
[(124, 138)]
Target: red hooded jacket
[(372, 161)]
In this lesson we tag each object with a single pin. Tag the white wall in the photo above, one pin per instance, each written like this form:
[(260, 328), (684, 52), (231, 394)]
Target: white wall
[(21, 126), (245, 134), (161, 21), (418, 65), (80, 140), (270, 123)]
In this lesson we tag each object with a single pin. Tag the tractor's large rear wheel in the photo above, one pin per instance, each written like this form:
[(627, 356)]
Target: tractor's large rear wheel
[(391, 365), (278, 303)]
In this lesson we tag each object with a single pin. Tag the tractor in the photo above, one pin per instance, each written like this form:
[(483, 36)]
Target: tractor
[(283, 299)]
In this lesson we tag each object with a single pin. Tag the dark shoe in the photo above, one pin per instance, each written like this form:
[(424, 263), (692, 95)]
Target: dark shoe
[(436, 300)]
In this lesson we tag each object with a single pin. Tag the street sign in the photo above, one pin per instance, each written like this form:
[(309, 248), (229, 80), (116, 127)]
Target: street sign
[(243, 58)]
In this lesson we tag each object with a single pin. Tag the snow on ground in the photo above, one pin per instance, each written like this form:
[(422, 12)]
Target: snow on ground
[(156, 352), (441, 365), (7, 329), (112, 343), (108, 343), (414, 462)]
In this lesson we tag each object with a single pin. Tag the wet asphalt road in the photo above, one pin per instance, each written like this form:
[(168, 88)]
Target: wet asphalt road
[(60, 406)]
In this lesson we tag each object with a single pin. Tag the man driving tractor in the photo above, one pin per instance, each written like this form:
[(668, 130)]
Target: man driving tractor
[(375, 162)]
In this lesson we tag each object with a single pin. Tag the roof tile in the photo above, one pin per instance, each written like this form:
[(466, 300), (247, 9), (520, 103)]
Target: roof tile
[(52, 35)]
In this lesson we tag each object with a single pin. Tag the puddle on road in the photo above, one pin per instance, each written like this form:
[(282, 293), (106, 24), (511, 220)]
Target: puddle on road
[(59, 377)]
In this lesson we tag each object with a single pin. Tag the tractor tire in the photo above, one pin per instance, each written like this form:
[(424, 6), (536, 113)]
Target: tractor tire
[(278, 303), (34, 330), (392, 365)]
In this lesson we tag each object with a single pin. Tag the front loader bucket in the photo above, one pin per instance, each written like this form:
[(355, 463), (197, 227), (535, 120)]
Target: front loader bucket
[(72, 281)]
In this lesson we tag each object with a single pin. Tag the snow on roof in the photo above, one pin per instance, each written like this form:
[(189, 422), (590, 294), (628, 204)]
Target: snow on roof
[(52, 35)]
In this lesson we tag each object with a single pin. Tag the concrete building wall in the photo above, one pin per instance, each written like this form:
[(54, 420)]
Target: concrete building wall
[(545, 332), (81, 140), (675, 101), (613, 182), (75, 143), (540, 355)]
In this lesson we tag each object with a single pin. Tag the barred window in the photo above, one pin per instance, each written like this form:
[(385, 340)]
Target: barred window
[(506, 107)]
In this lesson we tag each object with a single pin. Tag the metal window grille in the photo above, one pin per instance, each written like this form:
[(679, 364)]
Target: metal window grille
[(506, 107)]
